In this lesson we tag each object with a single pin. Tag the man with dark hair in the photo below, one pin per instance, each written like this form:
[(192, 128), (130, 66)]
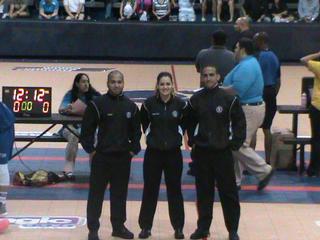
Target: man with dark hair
[(216, 126), (217, 55), (270, 67), (117, 119), (247, 82)]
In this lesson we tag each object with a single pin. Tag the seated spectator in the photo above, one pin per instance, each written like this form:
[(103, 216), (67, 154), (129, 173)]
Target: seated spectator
[(18, 8), (82, 91), (48, 9), (161, 9), (186, 11), (126, 10), (257, 10), (3, 9), (308, 10), (204, 9), (231, 9), (143, 9), (74, 9), (279, 12)]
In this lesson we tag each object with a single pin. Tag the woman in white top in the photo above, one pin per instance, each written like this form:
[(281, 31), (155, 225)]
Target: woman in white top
[(74, 9), (127, 10)]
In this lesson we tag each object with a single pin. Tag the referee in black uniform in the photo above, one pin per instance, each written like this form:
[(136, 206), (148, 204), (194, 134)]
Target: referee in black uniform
[(119, 135), (217, 126), (162, 118)]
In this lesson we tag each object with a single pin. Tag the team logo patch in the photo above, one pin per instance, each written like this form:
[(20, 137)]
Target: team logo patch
[(128, 114), (175, 114), (219, 109)]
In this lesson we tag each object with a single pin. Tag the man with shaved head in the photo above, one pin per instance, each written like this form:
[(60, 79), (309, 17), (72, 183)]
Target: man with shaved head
[(117, 119)]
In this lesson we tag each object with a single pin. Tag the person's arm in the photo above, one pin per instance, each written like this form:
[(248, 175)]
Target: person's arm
[(65, 106), (121, 11), (88, 128), (11, 11), (41, 12), (242, 80), (313, 66), (135, 132), (67, 9), (191, 121), (80, 8), (168, 12), (278, 83), (238, 125), (154, 12), (20, 10), (55, 13), (144, 116)]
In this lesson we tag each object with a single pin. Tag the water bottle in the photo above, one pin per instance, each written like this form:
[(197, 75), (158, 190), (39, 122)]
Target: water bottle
[(304, 99)]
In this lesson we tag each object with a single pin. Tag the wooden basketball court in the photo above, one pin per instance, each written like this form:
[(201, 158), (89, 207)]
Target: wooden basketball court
[(266, 219)]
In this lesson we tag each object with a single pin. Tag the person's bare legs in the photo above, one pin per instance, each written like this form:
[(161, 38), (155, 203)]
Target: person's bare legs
[(203, 10), (231, 10), (219, 7), (214, 10)]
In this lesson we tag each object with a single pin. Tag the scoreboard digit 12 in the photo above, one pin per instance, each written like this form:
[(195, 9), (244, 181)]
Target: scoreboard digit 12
[(28, 101)]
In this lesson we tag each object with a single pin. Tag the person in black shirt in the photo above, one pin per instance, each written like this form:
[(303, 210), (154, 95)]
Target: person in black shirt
[(162, 118), (216, 126), (119, 135)]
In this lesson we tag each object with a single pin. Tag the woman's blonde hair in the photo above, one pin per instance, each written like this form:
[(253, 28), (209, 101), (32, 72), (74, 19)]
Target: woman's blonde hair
[(159, 77)]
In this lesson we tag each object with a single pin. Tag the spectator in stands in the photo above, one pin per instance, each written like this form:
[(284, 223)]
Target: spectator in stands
[(18, 8), (246, 81), (279, 12), (186, 11), (258, 10), (126, 10), (308, 10), (204, 10), (109, 5), (48, 9), (231, 9), (161, 10), (143, 9), (314, 113), (3, 9), (84, 92), (74, 9), (243, 27), (217, 55), (270, 67), (7, 120)]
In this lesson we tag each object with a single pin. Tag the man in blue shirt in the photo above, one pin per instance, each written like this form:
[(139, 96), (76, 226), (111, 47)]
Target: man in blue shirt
[(48, 9), (247, 82), (7, 120), (270, 67)]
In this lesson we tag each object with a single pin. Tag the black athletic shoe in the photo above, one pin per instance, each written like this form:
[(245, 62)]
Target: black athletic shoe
[(145, 233), (68, 176), (178, 234), (122, 232), (234, 236), (199, 234), (264, 182), (93, 236)]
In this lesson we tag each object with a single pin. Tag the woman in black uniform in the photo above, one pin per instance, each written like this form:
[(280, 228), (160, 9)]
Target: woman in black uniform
[(162, 118)]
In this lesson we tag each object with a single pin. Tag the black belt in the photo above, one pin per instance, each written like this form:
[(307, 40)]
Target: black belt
[(252, 104)]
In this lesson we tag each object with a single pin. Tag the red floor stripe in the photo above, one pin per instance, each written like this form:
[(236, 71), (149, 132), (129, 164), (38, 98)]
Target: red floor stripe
[(79, 159), (192, 187)]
